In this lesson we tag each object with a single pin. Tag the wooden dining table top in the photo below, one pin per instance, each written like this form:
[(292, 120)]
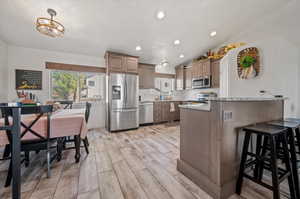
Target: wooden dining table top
[(64, 122)]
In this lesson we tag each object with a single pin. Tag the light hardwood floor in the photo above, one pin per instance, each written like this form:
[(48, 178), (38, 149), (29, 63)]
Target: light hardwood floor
[(137, 164)]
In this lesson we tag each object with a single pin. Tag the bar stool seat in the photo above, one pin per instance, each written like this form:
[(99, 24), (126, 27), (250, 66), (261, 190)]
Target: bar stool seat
[(268, 139), (285, 123)]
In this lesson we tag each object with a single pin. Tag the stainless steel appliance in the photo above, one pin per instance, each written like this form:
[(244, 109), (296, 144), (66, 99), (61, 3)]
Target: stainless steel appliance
[(146, 112), (122, 102), (202, 82)]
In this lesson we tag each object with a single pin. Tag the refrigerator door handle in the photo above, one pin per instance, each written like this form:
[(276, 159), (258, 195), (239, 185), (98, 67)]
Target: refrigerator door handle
[(125, 90)]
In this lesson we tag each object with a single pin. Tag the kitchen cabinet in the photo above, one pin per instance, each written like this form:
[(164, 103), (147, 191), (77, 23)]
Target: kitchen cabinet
[(179, 78), (201, 68), (146, 76), (157, 112), (205, 64), (215, 73), (162, 113), (188, 71), (131, 64), (116, 62)]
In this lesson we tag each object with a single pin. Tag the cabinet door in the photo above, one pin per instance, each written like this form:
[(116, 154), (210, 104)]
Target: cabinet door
[(157, 112), (115, 63), (206, 68), (188, 77), (166, 116), (131, 64), (179, 82), (146, 76), (215, 73), (194, 69)]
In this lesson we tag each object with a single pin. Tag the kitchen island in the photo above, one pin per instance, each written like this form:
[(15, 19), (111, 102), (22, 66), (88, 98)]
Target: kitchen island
[(211, 139)]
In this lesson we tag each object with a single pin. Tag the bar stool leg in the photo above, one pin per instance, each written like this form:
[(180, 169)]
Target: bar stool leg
[(297, 133), (263, 153), (275, 180), (243, 162), (288, 166), (258, 151), (294, 161)]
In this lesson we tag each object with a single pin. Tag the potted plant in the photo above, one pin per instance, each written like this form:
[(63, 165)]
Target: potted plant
[(248, 70)]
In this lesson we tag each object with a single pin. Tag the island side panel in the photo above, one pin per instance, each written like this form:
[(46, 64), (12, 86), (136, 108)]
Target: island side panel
[(200, 143), (243, 114)]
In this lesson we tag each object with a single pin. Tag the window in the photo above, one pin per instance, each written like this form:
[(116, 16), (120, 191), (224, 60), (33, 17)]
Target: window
[(77, 86)]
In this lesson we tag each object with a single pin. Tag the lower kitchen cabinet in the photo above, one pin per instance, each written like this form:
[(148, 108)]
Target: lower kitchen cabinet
[(162, 113)]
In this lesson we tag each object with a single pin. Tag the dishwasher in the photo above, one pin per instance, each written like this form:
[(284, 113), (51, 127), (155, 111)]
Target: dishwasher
[(146, 112)]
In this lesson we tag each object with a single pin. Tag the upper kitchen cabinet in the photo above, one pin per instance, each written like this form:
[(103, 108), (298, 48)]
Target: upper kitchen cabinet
[(146, 76), (131, 64), (215, 73), (201, 68), (179, 78), (205, 64), (116, 62), (188, 77)]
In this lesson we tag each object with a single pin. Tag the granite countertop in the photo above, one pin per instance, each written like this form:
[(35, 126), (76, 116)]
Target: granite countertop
[(199, 107), (246, 99)]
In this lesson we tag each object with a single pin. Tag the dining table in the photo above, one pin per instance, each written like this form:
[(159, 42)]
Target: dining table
[(63, 123)]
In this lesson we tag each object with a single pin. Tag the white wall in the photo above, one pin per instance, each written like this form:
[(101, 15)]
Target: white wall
[(3, 71), (34, 59), (276, 37)]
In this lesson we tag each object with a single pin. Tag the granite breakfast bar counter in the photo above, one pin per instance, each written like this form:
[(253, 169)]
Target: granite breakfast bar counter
[(211, 140)]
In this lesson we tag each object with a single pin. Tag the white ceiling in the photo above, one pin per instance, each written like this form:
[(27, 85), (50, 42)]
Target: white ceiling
[(94, 26)]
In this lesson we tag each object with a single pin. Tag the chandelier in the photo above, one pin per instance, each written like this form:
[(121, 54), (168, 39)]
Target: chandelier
[(50, 27)]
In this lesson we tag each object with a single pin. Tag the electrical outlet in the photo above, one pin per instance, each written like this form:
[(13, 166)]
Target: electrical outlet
[(227, 115)]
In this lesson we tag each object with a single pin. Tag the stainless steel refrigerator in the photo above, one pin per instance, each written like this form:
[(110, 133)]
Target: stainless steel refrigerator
[(122, 102)]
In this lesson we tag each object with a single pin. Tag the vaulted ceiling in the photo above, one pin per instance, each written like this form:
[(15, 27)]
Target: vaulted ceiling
[(94, 26)]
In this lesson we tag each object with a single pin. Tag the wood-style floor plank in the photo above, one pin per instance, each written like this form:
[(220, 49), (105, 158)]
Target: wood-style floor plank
[(109, 186), (129, 184), (135, 164)]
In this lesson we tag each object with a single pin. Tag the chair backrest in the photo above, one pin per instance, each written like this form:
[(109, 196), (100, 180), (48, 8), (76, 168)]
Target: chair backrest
[(68, 104), (39, 111), (87, 111)]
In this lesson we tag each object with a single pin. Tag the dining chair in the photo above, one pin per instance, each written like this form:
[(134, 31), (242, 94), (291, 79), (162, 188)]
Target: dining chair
[(68, 104), (37, 141), (61, 145)]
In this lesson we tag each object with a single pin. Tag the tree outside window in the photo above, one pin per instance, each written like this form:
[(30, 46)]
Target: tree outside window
[(75, 86)]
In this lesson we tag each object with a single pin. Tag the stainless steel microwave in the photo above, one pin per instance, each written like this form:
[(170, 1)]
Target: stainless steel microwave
[(202, 82)]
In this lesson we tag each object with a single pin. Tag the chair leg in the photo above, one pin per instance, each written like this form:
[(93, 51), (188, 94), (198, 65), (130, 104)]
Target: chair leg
[(77, 140), (6, 151), (243, 162), (9, 176), (275, 180), (263, 153), (59, 148), (288, 166), (294, 161), (48, 164), (27, 158), (86, 145)]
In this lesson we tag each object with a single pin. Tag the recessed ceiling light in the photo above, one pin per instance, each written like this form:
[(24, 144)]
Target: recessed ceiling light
[(181, 56), (160, 15), (138, 48), (213, 33), (176, 42)]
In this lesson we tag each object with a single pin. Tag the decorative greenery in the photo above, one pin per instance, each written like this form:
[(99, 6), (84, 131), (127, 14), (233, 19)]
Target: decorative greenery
[(247, 61)]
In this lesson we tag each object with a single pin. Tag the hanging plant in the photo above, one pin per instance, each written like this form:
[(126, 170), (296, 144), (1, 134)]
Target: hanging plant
[(247, 61)]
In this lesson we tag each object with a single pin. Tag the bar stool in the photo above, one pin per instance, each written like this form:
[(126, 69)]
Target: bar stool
[(293, 132), (272, 136)]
